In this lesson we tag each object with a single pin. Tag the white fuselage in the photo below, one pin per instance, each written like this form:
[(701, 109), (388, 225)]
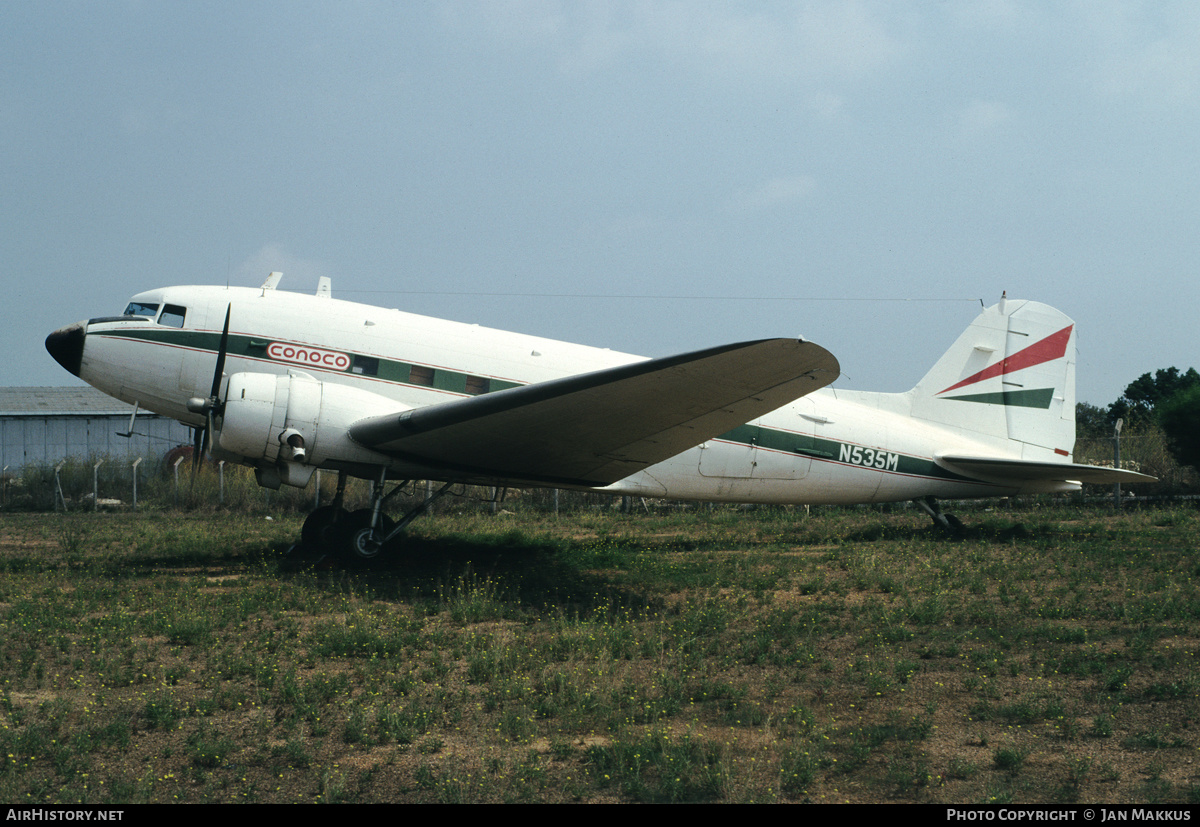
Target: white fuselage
[(829, 447)]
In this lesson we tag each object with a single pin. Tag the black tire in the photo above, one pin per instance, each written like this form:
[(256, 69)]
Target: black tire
[(318, 530), (353, 546)]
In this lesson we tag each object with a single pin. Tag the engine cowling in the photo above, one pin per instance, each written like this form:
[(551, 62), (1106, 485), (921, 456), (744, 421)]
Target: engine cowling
[(289, 426)]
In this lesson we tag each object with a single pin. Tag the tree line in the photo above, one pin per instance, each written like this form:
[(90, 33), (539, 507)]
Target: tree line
[(1167, 401)]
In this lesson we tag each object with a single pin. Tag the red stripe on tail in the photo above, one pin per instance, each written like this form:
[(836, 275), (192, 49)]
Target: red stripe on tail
[(1047, 350)]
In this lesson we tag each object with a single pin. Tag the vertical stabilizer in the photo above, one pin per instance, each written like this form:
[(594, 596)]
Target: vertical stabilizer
[(1010, 376)]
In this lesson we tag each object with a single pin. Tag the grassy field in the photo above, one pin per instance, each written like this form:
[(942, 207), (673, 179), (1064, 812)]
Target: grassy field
[(771, 655)]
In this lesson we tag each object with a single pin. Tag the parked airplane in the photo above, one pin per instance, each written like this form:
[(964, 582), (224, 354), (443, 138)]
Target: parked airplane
[(289, 383)]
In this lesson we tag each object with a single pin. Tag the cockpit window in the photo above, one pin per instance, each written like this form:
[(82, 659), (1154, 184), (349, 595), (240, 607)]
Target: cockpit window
[(172, 315), (139, 309)]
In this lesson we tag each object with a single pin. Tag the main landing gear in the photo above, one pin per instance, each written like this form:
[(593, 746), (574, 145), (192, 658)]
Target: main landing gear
[(947, 522), (357, 538)]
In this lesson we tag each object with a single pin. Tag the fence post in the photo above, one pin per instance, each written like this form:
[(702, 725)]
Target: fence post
[(58, 494), (175, 468), (1117, 463), (136, 463), (96, 485), (221, 482)]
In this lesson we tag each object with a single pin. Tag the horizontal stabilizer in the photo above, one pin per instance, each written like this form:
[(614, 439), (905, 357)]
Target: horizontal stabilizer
[(1002, 470), (596, 428)]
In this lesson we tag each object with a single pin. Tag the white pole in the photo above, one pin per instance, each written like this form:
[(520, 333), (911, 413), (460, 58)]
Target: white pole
[(136, 463), (1117, 463), (176, 469), (96, 485), (58, 494)]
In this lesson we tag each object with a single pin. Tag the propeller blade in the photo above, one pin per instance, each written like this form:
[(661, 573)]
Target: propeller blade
[(206, 406), (208, 430), (221, 350), (197, 451)]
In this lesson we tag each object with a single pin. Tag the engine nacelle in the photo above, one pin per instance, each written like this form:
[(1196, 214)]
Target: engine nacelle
[(289, 426)]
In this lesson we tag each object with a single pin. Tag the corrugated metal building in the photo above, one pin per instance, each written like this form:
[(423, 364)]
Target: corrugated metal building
[(46, 425)]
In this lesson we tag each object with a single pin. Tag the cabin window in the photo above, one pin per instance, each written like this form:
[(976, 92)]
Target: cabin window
[(147, 311), (421, 375), (477, 385), (172, 315), (366, 365)]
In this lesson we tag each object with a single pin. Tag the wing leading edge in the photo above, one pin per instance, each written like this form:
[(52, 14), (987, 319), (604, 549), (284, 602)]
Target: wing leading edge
[(596, 428)]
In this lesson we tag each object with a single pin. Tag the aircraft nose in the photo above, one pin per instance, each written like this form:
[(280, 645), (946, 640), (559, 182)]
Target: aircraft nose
[(66, 346)]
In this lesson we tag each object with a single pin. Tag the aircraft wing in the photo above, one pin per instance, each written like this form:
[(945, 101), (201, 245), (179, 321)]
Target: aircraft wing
[(991, 468), (596, 428)]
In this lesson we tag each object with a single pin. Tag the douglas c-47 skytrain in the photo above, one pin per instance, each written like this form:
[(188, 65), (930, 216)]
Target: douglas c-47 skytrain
[(289, 383)]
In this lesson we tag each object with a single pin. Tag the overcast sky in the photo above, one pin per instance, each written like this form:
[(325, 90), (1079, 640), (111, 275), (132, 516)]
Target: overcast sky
[(648, 176)]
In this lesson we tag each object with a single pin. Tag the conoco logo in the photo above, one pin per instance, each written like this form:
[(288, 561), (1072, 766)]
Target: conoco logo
[(311, 356)]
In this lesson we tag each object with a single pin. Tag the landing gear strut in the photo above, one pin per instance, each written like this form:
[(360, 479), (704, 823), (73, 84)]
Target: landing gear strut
[(947, 522), (358, 538)]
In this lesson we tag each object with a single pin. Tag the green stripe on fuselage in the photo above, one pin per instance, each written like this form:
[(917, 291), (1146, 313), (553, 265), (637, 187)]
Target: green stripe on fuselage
[(843, 453)]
